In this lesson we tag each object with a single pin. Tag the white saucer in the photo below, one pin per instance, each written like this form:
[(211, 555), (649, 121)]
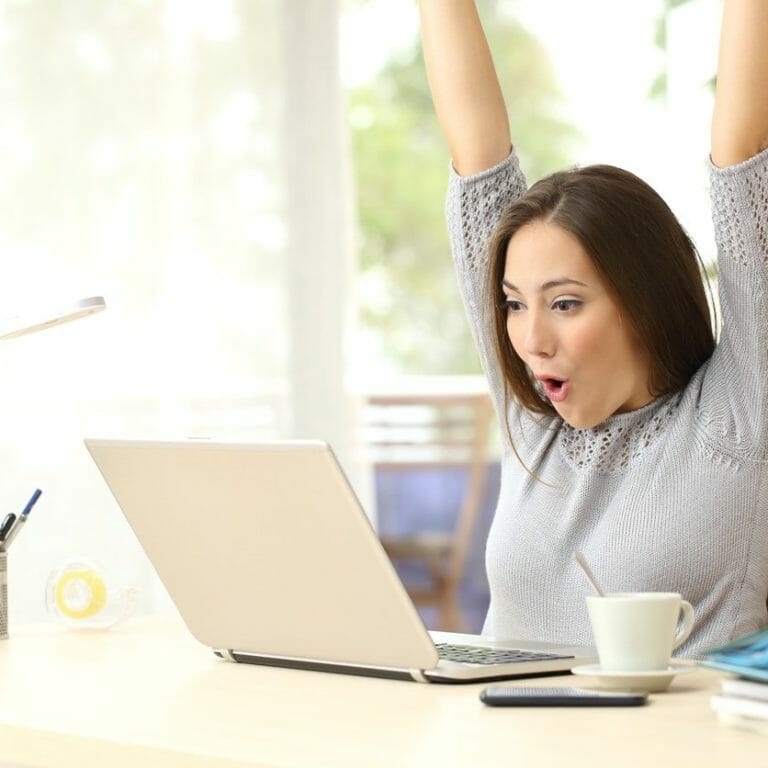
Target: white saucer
[(653, 681)]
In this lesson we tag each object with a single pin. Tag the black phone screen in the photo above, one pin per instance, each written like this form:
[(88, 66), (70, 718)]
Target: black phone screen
[(508, 696)]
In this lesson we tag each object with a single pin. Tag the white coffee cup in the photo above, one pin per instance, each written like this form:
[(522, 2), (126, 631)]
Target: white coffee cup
[(637, 631)]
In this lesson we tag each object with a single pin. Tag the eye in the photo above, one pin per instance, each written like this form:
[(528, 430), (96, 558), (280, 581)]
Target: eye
[(512, 305), (566, 305)]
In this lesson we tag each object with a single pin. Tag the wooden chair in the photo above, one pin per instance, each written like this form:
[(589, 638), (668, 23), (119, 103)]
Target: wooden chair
[(445, 429)]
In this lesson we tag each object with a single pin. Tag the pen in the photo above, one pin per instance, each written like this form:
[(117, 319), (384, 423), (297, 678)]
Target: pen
[(21, 519), (6, 526)]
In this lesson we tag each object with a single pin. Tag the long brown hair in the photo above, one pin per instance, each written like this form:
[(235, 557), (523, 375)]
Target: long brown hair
[(644, 256)]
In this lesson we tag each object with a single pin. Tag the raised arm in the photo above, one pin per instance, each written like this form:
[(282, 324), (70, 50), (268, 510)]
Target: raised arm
[(465, 89), (740, 121)]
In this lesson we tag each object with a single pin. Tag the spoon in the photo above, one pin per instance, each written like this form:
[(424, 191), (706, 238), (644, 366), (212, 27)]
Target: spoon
[(582, 561)]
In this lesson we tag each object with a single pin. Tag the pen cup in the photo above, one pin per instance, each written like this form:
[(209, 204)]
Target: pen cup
[(3, 594)]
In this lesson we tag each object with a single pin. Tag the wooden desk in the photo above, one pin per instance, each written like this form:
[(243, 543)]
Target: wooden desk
[(149, 695)]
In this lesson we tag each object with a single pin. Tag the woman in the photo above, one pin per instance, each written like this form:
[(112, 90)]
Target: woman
[(627, 433)]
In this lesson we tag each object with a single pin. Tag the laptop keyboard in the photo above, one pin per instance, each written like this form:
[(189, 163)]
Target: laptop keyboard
[(472, 654)]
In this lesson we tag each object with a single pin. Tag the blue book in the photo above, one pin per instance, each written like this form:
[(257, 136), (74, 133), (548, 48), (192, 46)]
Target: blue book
[(746, 656)]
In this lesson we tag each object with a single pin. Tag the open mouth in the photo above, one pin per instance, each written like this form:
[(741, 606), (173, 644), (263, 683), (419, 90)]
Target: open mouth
[(555, 389)]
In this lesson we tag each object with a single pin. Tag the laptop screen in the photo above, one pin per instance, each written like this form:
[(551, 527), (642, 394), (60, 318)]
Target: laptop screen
[(264, 548)]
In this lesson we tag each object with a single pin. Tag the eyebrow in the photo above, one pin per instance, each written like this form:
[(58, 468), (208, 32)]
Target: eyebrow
[(549, 284)]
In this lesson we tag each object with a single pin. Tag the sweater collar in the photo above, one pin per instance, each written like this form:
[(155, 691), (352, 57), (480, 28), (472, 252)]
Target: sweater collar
[(614, 444)]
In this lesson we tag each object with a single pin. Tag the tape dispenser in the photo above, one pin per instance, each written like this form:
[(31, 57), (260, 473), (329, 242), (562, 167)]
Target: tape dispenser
[(79, 595)]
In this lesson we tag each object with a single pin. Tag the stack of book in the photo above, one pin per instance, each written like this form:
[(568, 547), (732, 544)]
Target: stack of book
[(743, 700)]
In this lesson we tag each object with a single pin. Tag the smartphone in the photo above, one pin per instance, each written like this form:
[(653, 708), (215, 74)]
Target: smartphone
[(507, 696)]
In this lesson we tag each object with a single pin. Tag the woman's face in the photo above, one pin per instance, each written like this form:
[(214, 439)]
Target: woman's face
[(568, 330)]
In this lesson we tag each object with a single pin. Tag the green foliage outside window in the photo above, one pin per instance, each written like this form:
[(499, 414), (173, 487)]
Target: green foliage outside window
[(408, 296)]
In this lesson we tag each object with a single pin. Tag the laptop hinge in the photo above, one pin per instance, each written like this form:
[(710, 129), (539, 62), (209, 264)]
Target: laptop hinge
[(290, 662)]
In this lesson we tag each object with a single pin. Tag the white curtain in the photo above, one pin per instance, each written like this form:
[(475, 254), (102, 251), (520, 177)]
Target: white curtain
[(186, 160)]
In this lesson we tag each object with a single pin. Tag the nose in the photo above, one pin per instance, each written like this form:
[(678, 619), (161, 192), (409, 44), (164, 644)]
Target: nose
[(539, 339)]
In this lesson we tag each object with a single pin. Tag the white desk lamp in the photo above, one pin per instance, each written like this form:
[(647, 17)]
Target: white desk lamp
[(20, 325)]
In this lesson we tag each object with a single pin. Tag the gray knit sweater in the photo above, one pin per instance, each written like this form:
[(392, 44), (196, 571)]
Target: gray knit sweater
[(672, 497)]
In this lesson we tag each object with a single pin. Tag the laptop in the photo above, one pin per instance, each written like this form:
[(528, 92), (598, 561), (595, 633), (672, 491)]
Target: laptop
[(270, 559)]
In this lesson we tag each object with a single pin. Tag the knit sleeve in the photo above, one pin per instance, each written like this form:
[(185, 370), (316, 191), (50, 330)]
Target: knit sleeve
[(734, 394), (473, 208)]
